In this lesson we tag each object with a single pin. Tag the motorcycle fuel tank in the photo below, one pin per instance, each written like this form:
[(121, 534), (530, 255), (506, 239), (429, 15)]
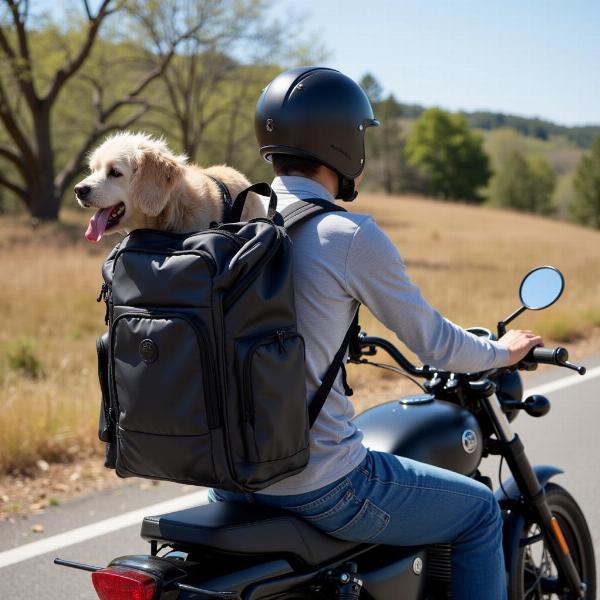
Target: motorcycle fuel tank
[(425, 429)]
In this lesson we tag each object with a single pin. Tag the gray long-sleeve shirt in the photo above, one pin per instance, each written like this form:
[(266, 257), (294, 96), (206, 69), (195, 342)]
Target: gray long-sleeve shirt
[(341, 260)]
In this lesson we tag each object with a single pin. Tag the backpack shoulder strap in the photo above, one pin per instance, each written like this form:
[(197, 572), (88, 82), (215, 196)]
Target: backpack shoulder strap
[(299, 212), (303, 209), (316, 404)]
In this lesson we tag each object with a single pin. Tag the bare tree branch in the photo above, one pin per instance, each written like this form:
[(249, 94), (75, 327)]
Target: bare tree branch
[(12, 127), (13, 187), (11, 154), (19, 22), (88, 12), (20, 64), (66, 72)]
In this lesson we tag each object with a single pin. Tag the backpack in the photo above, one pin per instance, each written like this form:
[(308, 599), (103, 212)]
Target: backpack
[(202, 368)]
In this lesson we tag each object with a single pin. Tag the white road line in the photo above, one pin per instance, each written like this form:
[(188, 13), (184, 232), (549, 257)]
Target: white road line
[(565, 382), (87, 532)]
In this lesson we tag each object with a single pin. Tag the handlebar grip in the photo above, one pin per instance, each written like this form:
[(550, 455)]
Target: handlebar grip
[(548, 356)]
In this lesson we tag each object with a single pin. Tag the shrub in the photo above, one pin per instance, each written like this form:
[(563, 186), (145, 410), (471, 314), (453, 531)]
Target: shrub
[(524, 184), (21, 357)]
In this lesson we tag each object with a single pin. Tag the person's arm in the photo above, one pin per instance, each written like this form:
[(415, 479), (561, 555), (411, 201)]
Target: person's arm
[(376, 276)]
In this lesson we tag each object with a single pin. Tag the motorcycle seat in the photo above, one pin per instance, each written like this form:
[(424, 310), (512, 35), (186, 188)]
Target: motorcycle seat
[(244, 529)]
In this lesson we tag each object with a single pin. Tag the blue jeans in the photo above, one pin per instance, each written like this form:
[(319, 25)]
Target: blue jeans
[(393, 500)]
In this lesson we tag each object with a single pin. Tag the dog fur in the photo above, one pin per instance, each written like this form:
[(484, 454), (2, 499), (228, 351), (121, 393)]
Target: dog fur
[(159, 189)]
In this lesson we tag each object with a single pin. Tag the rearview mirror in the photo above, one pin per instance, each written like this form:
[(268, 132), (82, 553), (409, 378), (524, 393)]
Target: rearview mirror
[(541, 288)]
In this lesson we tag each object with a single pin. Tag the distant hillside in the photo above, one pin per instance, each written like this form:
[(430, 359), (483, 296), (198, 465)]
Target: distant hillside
[(581, 136)]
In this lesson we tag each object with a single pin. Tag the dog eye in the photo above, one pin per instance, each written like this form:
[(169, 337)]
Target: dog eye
[(114, 173)]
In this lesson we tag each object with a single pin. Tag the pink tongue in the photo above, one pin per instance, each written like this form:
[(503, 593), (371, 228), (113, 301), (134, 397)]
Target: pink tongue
[(97, 224)]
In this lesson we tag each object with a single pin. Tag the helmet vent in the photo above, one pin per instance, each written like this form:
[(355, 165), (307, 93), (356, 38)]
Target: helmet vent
[(340, 150), (269, 126)]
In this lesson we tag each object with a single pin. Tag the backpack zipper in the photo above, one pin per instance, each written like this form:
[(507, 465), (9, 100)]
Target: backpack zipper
[(205, 256)]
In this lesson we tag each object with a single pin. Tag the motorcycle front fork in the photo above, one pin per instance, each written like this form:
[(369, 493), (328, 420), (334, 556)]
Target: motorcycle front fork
[(511, 447)]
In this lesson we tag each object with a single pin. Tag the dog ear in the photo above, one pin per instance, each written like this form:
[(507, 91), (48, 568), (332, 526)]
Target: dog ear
[(153, 180)]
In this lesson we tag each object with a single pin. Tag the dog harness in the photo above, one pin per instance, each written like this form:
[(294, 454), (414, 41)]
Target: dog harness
[(226, 197)]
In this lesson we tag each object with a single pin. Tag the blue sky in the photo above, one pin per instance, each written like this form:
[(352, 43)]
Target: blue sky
[(527, 57)]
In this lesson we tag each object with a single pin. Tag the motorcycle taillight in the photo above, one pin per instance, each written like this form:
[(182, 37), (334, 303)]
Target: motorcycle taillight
[(118, 583)]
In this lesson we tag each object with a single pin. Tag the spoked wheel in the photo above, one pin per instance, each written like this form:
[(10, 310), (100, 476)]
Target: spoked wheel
[(536, 575)]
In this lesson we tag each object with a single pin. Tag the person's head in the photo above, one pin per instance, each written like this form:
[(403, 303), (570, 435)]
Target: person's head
[(311, 121)]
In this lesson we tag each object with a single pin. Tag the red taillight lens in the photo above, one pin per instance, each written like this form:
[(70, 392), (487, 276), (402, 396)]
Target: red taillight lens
[(118, 583)]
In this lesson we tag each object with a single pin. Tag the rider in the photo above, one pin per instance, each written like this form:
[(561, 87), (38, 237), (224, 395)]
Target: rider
[(310, 123)]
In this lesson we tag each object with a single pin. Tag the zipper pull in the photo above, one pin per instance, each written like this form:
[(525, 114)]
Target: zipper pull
[(280, 338), (102, 295)]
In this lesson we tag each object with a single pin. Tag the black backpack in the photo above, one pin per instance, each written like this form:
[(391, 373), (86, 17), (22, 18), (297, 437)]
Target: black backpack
[(202, 368)]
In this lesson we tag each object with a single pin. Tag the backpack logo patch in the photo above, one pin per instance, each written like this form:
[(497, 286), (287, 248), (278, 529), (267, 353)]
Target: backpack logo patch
[(148, 351)]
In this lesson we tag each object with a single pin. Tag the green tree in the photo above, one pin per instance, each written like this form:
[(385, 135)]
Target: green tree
[(585, 207), (372, 88), (524, 184), (387, 167), (449, 155)]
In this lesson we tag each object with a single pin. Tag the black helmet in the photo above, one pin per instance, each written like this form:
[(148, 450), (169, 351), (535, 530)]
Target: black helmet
[(316, 113)]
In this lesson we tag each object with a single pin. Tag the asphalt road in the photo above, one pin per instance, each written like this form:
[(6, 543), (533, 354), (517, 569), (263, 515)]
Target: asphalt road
[(567, 437)]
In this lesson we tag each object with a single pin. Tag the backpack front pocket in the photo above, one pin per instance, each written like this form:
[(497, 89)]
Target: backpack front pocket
[(273, 400), (163, 375)]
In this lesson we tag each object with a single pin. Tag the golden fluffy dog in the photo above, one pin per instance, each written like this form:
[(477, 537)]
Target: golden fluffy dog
[(137, 182)]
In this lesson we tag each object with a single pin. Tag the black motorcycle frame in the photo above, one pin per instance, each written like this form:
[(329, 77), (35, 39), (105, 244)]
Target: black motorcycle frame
[(479, 391)]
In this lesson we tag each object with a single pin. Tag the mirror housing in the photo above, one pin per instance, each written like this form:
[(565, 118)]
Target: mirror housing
[(540, 288)]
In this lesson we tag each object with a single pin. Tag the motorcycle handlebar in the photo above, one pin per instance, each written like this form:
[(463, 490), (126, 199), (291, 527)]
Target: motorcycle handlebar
[(367, 347), (552, 356), (548, 356)]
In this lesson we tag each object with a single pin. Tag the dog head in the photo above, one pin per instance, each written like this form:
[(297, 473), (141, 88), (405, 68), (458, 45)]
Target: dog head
[(132, 178)]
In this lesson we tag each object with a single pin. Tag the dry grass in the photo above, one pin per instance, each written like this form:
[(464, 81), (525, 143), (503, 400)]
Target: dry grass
[(468, 262), (48, 388)]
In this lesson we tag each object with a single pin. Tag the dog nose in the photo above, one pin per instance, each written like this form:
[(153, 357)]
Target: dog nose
[(82, 190)]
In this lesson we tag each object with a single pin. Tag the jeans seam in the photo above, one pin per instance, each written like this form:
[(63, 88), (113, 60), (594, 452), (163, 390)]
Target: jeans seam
[(341, 504), (341, 487), (430, 489)]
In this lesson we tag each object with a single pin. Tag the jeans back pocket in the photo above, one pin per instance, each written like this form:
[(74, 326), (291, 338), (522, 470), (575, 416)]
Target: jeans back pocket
[(365, 525)]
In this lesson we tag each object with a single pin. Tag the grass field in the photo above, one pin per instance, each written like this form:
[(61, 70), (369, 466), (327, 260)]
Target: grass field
[(468, 261)]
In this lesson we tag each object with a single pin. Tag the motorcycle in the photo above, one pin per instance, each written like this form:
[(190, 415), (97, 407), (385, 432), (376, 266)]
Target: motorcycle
[(233, 551)]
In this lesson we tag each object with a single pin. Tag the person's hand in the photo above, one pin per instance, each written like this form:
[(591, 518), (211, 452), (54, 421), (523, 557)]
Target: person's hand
[(519, 342)]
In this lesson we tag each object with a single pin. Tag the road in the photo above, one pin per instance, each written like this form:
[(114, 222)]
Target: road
[(98, 527)]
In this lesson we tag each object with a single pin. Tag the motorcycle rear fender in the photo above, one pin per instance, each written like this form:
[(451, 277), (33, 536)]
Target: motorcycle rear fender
[(514, 522), (170, 571)]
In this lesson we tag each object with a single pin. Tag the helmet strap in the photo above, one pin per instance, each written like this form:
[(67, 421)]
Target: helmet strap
[(346, 190)]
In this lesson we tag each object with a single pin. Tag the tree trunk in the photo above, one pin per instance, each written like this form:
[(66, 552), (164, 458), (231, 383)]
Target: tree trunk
[(44, 201)]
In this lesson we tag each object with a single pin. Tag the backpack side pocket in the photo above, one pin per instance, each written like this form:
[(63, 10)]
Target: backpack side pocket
[(106, 431)]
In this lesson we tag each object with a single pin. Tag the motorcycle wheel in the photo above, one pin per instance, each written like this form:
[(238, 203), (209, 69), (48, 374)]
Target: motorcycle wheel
[(534, 577)]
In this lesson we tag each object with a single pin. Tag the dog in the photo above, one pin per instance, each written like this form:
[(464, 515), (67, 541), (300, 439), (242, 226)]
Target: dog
[(137, 182)]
